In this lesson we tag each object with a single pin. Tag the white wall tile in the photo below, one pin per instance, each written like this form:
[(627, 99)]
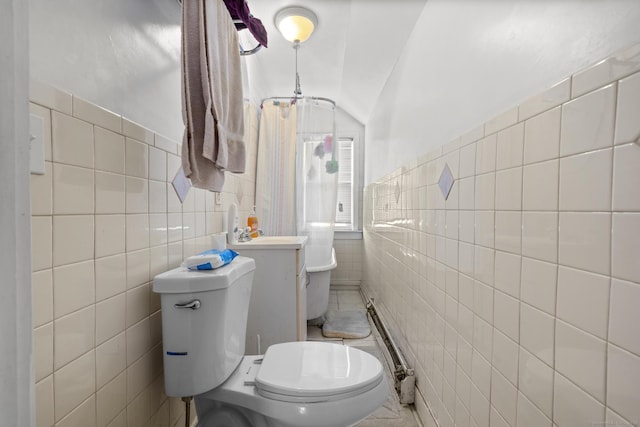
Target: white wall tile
[(109, 151), (44, 412), (539, 280), (540, 186), (157, 164), (110, 359), (624, 323), (486, 155), (485, 191), (137, 232), (509, 231), (624, 246), (626, 175), (111, 276), (536, 333), (484, 265), (72, 190), (482, 337), (137, 268), (138, 340), (620, 64), (574, 407), (509, 190), (483, 301), (507, 273), (485, 228), (41, 243), (628, 110), (504, 397), (505, 357), (137, 304), (506, 119), (92, 113), (479, 407), (72, 140), (49, 96), (42, 191), (111, 400), (73, 384), (481, 374), (536, 382), (43, 351), (158, 229), (136, 158), (552, 97), (542, 137), (587, 122), (540, 235), (623, 377), (585, 181), (585, 241), (110, 235), (506, 316), (510, 147), (137, 195), (468, 161), (136, 131), (74, 336), (466, 193), (110, 193), (110, 318), (583, 300), (73, 239), (42, 297), (73, 287), (82, 415), (581, 357)]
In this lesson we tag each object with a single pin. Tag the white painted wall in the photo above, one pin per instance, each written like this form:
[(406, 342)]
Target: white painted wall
[(504, 51), (16, 363), (123, 55)]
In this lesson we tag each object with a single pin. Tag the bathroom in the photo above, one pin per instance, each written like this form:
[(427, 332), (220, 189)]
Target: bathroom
[(513, 298)]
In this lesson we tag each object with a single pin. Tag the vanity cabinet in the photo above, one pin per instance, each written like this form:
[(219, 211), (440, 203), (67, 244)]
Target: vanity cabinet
[(278, 305)]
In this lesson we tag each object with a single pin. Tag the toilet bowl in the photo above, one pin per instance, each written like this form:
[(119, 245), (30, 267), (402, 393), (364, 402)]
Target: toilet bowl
[(295, 384), (298, 384)]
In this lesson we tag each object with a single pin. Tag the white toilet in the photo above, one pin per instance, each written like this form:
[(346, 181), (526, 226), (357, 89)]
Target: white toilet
[(295, 384)]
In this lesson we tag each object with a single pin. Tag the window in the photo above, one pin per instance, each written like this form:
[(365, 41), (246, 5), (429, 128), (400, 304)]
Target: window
[(347, 208)]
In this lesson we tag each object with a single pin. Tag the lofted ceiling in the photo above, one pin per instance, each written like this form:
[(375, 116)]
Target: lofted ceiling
[(348, 58)]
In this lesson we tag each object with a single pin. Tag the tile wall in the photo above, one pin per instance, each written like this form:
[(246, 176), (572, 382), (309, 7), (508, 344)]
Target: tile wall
[(105, 221), (516, 299), (349, 257)]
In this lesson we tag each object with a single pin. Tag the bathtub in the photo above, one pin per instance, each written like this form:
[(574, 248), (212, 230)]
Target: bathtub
[(318, 287)]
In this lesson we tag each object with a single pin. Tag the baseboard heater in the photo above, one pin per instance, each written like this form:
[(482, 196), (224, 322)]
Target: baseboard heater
[(404, 377)]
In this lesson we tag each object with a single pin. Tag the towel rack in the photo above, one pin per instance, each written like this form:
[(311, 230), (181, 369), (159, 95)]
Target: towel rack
[(243, 51), (239, 24)]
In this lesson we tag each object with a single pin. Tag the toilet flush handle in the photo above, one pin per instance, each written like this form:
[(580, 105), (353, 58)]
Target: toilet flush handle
[(193, 305)]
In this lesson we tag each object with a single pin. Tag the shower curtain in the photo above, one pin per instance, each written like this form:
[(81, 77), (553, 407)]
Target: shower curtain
[(296, 182), (276, 169)]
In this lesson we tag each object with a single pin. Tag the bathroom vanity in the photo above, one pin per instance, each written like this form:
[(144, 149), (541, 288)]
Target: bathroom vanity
[(278, 305)]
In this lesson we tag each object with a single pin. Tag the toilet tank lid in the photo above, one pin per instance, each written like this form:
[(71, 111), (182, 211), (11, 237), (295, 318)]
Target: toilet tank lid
[(181, 280)]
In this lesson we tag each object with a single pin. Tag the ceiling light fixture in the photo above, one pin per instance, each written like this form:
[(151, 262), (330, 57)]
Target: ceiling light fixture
[(296, 23)]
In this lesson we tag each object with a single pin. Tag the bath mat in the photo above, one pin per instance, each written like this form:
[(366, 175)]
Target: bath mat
[(346, 324)]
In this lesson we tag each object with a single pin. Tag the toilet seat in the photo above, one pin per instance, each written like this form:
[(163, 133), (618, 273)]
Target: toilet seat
[(316, 372)]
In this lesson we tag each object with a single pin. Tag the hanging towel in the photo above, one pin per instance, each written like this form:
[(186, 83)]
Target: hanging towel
[(211, 94), (239, 9), (276, 169)]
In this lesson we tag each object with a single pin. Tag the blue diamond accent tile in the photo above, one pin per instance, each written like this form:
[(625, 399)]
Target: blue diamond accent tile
[(446, 181)]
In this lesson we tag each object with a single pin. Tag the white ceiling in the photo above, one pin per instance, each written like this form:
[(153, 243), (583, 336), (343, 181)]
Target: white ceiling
[(349, 56)]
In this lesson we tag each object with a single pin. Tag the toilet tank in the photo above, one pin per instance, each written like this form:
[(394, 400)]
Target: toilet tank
[(204, 321)]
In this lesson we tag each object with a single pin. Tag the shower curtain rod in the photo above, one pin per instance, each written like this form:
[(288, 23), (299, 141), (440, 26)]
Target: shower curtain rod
[(291, 98)]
